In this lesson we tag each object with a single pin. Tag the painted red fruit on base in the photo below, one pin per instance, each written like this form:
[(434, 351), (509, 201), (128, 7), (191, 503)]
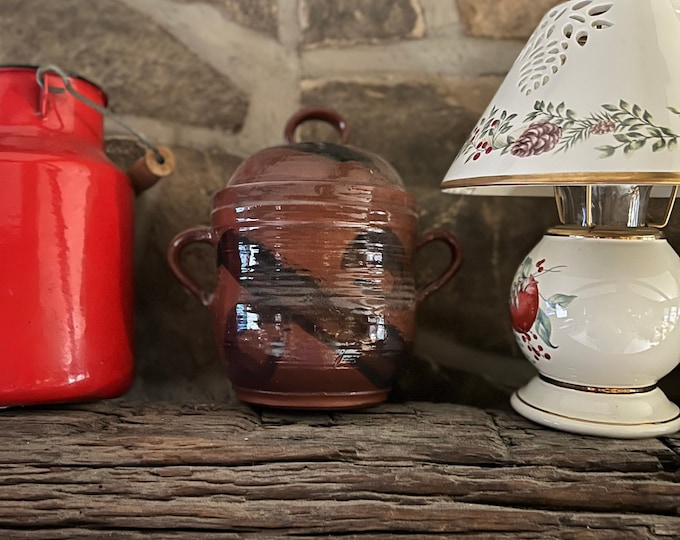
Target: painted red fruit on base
[(524, 304)]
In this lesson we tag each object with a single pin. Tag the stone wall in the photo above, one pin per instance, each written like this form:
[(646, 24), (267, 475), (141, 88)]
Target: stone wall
[(216, 80)]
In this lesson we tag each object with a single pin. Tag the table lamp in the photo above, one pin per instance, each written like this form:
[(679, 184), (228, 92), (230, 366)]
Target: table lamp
[(591, 110)]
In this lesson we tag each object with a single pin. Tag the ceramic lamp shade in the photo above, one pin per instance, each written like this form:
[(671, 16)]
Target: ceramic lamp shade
[(594, 97), (590, 111)]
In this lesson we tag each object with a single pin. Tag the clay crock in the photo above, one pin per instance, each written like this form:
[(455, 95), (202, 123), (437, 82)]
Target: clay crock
[(315, 300)]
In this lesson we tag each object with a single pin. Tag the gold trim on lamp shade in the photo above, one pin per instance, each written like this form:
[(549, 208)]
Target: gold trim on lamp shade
[(652, 178)]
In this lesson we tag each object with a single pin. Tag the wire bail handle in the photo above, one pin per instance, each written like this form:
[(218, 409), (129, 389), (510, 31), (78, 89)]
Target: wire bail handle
[(157, 162), (40, 78)]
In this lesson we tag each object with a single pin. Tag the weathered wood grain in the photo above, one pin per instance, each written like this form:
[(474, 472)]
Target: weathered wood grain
[(124, 470)]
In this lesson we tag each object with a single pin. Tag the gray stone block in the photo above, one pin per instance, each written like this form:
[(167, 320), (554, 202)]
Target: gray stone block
[(418, 125), (144, 70), (351, 22), (258, 15), (503, 19)]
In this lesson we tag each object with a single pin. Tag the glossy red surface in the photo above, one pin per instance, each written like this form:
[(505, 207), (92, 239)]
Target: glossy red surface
[(66, 298)]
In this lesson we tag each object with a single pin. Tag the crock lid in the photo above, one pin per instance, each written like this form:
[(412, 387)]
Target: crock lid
[(316, 161)]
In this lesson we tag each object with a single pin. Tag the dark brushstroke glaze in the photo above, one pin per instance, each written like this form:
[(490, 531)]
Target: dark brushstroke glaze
[(315, 300), (345, 330)]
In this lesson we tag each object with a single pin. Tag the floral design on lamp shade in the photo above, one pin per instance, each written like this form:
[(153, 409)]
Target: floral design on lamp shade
[(530, 311), (556, 128)]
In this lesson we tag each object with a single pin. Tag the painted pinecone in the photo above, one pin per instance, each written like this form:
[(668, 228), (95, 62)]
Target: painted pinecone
[(603, 127), (539, 137)]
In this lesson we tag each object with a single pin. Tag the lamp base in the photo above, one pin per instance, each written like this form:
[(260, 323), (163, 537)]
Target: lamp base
[(644, 413)]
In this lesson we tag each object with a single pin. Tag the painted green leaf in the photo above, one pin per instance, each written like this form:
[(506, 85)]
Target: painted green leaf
[(562, 300), (538, 105), (627, 149), (621, 137), (658, 145), (503, 115), (606, 150), (560, 108), (511, 117), (647, 117), (673, 144), (525, 269), (637, 110), (637, 144), (667, 132), (624, 105), (544, 328), (674, 110), (610, 108)]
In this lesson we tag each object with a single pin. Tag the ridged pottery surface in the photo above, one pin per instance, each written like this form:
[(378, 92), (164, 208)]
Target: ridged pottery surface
[(316, 290), (315, 301)]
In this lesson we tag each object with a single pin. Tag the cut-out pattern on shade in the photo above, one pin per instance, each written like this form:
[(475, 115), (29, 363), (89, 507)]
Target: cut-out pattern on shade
[(565, 26)]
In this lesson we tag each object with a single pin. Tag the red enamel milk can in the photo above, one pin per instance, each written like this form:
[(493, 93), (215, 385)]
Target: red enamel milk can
[(66, 241)]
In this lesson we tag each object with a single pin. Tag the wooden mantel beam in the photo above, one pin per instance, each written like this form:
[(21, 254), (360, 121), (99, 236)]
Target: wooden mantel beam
[(153, 470)]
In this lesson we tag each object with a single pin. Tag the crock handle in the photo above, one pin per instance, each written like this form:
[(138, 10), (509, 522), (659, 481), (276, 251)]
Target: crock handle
[(204, 235), (325, 115), (451, 240)]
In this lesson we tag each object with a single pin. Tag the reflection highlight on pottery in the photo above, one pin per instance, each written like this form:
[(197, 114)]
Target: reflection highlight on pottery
[(316, 298), (348, 319)]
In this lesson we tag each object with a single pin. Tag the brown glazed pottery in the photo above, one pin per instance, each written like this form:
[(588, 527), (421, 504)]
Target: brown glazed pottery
[(315, 300)]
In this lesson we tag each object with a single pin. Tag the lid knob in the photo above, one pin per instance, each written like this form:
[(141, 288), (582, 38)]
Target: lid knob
[(325, 115)]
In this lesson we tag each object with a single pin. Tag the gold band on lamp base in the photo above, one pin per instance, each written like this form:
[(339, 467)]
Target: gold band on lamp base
[(597, 389), (606, 233), (624, 416), (605, 330)]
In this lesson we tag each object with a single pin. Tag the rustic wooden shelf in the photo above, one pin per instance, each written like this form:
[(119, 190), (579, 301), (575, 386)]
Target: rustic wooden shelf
[(150, 470)]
